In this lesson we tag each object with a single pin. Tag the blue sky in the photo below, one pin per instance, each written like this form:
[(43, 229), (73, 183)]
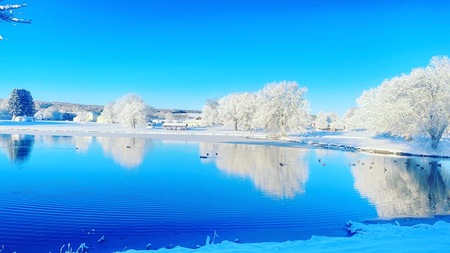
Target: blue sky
[(177, 54)]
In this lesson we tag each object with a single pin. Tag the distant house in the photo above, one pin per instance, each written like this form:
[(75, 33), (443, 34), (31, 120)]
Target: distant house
[(24, 119), (88, 117), (195, 122), (91, 116), (101, 119)]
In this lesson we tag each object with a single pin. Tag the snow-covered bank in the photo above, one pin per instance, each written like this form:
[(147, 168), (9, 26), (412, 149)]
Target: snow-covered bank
[(366, 141), (96, 129), (366, 238), (363, 141)]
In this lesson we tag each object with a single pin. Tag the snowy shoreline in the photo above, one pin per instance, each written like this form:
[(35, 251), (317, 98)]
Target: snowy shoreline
[(366, 238), (345, 141)]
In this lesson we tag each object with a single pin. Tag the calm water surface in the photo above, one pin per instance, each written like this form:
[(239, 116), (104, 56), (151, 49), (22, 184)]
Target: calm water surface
[(139, 193)]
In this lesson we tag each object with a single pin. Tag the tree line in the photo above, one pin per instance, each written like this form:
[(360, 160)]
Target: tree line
[(410, 106), (278, 107)]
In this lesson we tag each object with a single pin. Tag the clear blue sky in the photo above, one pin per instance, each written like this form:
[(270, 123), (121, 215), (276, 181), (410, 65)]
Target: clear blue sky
[(177, 54)]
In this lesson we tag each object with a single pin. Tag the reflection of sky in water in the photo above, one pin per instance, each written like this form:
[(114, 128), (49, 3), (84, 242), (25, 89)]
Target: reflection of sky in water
[(68, 185)]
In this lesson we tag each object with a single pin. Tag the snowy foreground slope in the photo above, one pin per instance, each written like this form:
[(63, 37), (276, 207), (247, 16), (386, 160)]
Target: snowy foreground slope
[(366, 238)]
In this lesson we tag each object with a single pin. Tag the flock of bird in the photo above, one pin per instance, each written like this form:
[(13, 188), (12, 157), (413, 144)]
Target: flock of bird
[(407, 163), (372, 164)]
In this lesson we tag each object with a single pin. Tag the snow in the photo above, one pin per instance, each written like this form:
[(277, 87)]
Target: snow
[(366, 238), (365, 141), (370, 142)]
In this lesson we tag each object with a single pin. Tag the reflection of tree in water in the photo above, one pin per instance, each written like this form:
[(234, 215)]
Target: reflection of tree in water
[(56, 140), (18, 146), (403, 187), (262, 165), (127, 152), (81, 143)]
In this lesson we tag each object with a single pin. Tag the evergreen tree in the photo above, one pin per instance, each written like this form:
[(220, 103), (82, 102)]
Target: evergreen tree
[(20, 103)]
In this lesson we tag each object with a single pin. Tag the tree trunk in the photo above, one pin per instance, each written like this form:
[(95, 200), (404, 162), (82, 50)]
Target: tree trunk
[(434, 142), (283, 127), (436, 137)]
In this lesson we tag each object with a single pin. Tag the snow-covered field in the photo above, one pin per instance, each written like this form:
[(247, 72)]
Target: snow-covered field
[(367, 238)]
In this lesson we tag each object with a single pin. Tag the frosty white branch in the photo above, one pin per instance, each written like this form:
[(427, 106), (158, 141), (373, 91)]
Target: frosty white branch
[(7, 13)]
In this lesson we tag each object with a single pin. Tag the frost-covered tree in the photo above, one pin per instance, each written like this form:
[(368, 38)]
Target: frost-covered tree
[(325, 120), (351, 119), (333, 117), (4, 112), (109, 113), (282, 106), (338, 124), (129, 110), (408, 105), (237, 110), (169, 117), (8, 13), (322, 120), (21, 103), (210, 112)]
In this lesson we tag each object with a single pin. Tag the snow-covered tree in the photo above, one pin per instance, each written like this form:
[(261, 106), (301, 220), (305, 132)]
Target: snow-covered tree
[(4, 112), (408, 105), (210, 112), (325, 120), (21, 103), (169, 117), (247, 110), (322, 120), (129, 110), (282, 106), (8, 12), (237, 110), (351, 119), (338, 124), (109, 113)]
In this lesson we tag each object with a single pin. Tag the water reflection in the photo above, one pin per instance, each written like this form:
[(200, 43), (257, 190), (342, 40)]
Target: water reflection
[(403, 187), (80, 143), (18, 146), (127, 152), (278, 172)]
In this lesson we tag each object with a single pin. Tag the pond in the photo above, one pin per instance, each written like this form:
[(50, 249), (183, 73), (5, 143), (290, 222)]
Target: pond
[(114, 193)]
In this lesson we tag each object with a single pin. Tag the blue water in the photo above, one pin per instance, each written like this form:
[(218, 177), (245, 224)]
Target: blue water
[(139, 193)]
